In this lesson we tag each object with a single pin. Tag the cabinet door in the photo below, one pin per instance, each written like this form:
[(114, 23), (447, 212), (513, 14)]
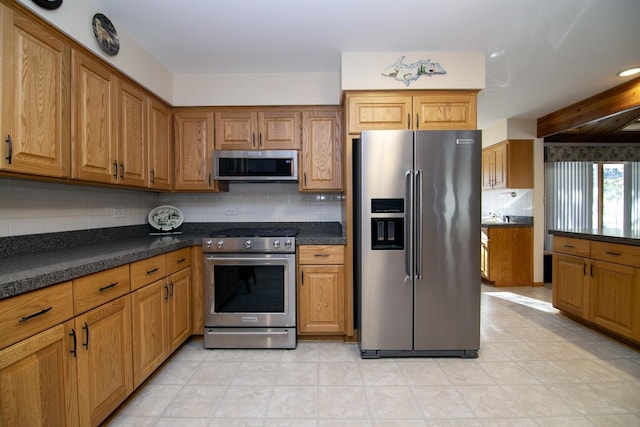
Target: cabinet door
[(484, 254), (500, 166), (488, 168), (179, 313), (279, 130), (132, 139), (379, 112), (149, 332), (570, 284), (194, 151), (95, 149), (160, 148), (321, 299), (615, 298), (236, 130), (35, 86), (38, 380), (104, 360), (445, 111), (321, 151)]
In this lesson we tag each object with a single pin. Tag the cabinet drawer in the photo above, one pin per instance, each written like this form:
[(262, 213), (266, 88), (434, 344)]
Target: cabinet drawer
[(321, 254), (177, 260), (96, 289), (28, 314), (616, 253), (571, 246), (148, 270)]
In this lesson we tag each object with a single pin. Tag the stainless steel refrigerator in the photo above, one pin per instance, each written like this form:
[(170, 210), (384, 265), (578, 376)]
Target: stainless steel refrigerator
[(417, 243)]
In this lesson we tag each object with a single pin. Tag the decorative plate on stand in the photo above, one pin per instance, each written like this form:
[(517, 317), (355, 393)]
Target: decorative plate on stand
[(165, 218), (106, 34)]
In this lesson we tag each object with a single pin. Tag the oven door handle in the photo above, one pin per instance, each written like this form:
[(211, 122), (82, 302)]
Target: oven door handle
[(235, 259), (247, 333)]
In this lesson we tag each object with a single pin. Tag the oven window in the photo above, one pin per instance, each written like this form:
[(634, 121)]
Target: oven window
[(249, 289)]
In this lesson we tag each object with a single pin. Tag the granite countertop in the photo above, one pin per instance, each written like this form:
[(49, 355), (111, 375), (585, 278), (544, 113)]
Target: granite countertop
[(32, 269), (514, 221), (610, 235)]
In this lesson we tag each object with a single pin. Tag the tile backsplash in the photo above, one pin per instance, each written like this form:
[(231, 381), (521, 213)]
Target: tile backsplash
[(507, 201), (33, 207)]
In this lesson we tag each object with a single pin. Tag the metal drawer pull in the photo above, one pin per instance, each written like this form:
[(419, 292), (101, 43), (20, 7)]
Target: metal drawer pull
[(322, 255), (181, 260), (569, 246), (104, 288), (153, 270), (31, 316), (613, 253)]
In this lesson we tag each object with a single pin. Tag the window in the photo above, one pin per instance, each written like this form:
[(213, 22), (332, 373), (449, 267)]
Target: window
[(609, 195)]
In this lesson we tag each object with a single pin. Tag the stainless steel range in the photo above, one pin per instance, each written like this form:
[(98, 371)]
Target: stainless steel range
[(250, 288)]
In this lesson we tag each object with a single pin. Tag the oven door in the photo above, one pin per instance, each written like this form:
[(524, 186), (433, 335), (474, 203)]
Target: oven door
[(249, 290)]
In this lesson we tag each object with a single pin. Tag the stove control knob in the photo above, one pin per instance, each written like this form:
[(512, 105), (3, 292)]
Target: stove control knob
[(207, 243), (247, 244), (220, 244), (276, 244), (287, 244)]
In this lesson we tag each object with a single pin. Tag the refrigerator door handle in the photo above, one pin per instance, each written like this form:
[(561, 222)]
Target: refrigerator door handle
[(408, 230), (418, 224)]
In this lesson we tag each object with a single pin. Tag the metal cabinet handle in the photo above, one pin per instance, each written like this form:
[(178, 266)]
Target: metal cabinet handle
[(166, 293), (153, 270), (584, 269), (613, 253), (181, 260), (408, 120), (171, 288), (86, 330), (569, 246), (10, 153), (260, 140), (115, 169), (153, 176), (75, 343), (209, 179), (591, 271), (109, 286), (321, 255), (417, 121), (253, 139), (31, 316), (121, 170)]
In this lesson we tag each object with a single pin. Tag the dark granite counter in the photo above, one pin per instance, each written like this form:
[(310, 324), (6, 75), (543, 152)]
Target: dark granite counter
[(32, 262), (514, 221), (626, 237)]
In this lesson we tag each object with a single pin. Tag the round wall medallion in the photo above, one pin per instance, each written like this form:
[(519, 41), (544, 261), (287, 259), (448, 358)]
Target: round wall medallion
[(48, 4), (105, 34)]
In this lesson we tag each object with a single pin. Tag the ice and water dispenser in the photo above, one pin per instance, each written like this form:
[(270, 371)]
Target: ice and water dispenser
[(387, 231)]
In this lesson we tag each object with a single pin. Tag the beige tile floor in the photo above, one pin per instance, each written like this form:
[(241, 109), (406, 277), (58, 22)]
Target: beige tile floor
[(535, 368)]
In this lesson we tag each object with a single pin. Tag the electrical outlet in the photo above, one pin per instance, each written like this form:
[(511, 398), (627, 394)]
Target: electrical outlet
[(230, 211), (118, 213)]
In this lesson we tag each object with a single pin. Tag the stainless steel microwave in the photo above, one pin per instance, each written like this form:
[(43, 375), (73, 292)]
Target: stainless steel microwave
[(256, 165)]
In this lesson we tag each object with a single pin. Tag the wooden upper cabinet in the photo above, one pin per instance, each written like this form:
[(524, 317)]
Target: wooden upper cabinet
[(429, 110), (34, 116), (95, 149), (132, 137), (257, 130), (321, 165), (444, 110), (160, 146), (374, 112), (194, 151), (508, 164)]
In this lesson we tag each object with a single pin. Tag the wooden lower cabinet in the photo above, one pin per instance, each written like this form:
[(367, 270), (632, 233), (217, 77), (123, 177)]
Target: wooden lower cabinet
[(104, 366), (38, 380), (161, 322), (598, 283), (321, 290), (507, 256)]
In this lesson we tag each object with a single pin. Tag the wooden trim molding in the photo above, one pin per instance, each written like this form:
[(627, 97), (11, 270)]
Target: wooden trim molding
[(616, 100)]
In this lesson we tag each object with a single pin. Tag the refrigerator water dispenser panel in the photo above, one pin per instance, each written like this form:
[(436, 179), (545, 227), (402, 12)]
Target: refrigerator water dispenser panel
[(387, 233), (387, 205)]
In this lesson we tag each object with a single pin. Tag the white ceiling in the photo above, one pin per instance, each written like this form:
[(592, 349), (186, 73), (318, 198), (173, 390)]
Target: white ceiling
[(550, 53)]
